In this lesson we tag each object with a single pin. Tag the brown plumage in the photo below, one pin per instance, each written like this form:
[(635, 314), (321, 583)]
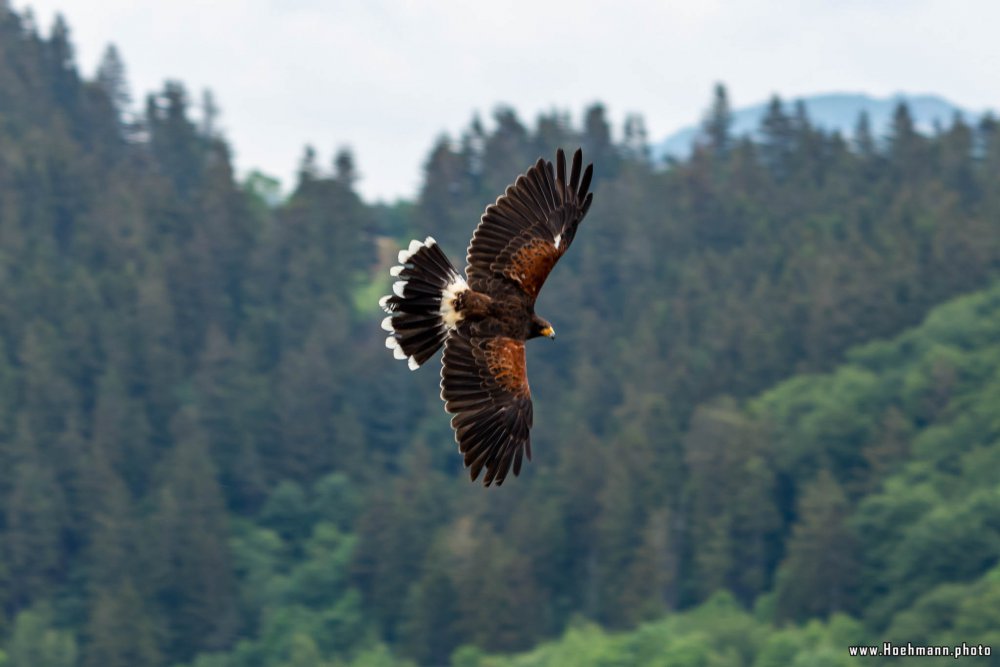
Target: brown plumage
[(484, 319)]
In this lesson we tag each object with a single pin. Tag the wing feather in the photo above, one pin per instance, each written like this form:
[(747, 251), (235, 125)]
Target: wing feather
[(521, 236), (484, 384)]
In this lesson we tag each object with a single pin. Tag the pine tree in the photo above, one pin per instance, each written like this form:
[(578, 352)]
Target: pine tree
[(956, 146), (156, 369), (48, 396), (777, 139), (615, 528), (192, 562), (113, 552), (498, 612), (443, 204), (62, 73), (121, 624), (552, 130), (34, 519), (636, 142), (718, 123), (732, 513), (220, 382), (392, 534), (597, 143), (121, 431), (343, 168), (864, 141), (308, 169), (818, 574), (111, 79), (428, 630), (650, 586), (177, 145), (906, 147), (119, 633)]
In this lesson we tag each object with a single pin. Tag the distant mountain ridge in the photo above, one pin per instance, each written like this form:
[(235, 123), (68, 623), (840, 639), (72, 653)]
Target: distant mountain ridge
[(831, 111)]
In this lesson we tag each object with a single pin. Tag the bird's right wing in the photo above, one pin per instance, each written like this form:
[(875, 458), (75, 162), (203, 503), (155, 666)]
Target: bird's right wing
[(484, 383), (527, 230)]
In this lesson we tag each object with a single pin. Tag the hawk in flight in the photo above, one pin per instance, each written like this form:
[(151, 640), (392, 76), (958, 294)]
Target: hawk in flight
[(484, 318)]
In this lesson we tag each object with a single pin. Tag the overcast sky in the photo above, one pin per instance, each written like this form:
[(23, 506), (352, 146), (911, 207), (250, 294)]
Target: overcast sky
[(387, 76)]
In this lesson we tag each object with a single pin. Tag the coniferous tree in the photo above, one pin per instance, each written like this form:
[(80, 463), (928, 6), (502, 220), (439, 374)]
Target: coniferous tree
[(34, 522), (121, 624), (344, 171), (443, 204), (731, 533), (614, 530), (112, 550), (119, 633), (61, 66), (718, 123), (428, 630), (817, 577), (597, 142), (905, 144), (650, 584), (120, 430), (48, 397), (553, 130), (777, 139), (864, 141), (308, 169), (112, 81), (220, 383), (192, 560), (175, 143), (636, 139), (957, 167), (156, 367)]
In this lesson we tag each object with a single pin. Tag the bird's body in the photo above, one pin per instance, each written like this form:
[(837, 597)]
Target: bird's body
[(484, 318)]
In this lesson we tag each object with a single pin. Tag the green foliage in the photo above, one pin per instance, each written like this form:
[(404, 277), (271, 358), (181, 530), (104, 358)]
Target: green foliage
[(35, 643), (718, 633)]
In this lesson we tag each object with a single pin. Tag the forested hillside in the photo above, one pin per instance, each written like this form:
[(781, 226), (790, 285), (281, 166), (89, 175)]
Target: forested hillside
[(207, 456), (897, 452)]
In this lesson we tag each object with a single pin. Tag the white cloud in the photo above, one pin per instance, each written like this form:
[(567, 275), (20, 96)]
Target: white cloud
[(387, 76)]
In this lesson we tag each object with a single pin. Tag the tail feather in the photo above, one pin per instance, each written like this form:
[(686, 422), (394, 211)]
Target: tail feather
[(421, 306)]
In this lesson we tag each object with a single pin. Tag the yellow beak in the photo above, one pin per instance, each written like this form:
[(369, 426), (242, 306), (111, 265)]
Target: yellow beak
[(549, 331)]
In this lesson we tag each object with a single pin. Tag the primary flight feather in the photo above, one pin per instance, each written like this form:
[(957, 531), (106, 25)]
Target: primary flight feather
[(484, 318)]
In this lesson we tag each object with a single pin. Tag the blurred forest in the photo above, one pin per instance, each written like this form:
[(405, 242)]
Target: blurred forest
[(762, 436)]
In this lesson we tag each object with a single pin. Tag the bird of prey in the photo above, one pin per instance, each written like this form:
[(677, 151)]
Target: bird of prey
[(484, 318)]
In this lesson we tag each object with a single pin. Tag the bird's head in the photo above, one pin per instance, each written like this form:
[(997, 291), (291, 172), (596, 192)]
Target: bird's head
[(540, 327)]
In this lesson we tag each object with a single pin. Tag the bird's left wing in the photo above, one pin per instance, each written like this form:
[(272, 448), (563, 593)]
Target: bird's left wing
[(527, 230), (484, 383)]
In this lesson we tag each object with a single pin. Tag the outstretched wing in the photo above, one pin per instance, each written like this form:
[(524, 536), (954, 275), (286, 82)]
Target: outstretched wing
[(484, 383), (527, 230)]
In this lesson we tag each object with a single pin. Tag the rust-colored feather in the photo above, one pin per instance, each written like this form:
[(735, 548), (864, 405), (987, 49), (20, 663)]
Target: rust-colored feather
[(505, 361)]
